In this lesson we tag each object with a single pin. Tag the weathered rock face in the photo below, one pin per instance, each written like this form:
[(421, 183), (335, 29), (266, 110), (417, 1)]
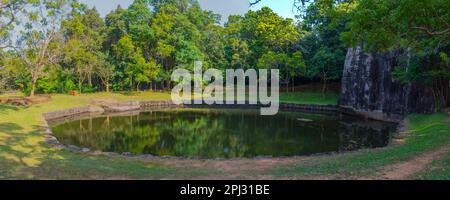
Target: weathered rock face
[(368, 87)]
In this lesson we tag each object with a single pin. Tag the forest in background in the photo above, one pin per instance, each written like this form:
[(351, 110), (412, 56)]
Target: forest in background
[(138, 48), (56, 46)]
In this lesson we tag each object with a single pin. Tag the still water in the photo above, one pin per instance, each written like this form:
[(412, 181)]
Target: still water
[(217, 133)]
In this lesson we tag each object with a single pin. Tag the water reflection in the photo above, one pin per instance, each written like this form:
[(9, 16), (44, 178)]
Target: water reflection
[(223, 133)]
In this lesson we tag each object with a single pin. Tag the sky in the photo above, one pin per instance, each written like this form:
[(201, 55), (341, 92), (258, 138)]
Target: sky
[(223, 7), (281, 7)]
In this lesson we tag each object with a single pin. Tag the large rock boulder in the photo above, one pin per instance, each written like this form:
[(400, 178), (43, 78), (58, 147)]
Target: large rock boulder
[(369, 89)]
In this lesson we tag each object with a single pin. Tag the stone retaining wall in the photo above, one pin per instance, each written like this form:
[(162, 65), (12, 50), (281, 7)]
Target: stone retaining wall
[(373, 115), (283, 107), (145, 105), (309, 108), (158, 104), (72, 112)]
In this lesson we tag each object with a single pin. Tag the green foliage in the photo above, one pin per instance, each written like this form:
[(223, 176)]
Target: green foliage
[(136, 69), (139, 47), (421, 27), (13, 73), (262, 39), (324, 52), (83, 31)]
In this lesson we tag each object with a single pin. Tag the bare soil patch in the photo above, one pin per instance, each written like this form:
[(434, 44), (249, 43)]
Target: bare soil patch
[(405, 170), (25, 101)]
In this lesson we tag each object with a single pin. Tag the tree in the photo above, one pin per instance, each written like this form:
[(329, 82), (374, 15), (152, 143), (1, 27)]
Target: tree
[(12, 71), (81, 61), (324, 51), (9, 19), (420, 27), (41, 37), (326, 66), (105, 71), (132, 62), (137, 20), (163, 25), (84, 33), (116, 27), (296, 67), (265, 31), (237, 48), (290, 66), (212, 39)]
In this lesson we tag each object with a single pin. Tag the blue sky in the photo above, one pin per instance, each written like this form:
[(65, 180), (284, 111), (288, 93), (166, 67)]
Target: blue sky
[(223, 7), (282, 7)]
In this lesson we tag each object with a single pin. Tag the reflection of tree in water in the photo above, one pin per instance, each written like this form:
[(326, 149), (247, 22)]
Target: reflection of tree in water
[(108, 134), (218, 133), (364, 134)]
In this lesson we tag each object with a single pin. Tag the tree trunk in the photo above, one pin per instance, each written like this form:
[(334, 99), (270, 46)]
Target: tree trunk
[(324, 89), (168, 85), (441, 93), (33, 86), (324, 79), (90, 80), (448, 92), (287, 86), (107, 86), (293, 84), (80, 85)]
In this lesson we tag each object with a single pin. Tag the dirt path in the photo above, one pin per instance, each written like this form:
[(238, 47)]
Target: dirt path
[(405, 170), (237, 169)]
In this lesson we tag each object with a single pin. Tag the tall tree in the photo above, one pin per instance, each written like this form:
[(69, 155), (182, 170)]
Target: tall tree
[(41, 37), (324, 51), (84, 33), (131, 61), (105, 71), (237, 48), (116, 27), (10, 12)]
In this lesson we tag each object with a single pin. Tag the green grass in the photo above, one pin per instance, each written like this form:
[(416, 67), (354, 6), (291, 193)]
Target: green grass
[(438, 170), (310, 98), (429, 132), (23, 153)]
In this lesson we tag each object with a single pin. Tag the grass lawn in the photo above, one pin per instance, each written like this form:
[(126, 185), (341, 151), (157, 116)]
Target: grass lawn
[(438, 170), (23, 154), (310, 98)]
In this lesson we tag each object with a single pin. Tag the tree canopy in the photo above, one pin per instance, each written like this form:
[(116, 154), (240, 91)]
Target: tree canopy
[(63, 45)]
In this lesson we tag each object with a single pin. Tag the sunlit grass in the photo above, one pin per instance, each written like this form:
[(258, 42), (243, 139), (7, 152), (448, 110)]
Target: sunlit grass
[(23, 153)]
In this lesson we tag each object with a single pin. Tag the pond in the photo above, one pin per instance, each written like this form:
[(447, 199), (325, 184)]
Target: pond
[(219, 133)]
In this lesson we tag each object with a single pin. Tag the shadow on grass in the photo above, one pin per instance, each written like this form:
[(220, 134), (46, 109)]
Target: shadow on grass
[(24, 155), (6, 107), (9, 127)]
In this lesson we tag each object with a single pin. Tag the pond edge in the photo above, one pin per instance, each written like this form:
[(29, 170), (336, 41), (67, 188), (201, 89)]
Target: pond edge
[(138, 106)]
